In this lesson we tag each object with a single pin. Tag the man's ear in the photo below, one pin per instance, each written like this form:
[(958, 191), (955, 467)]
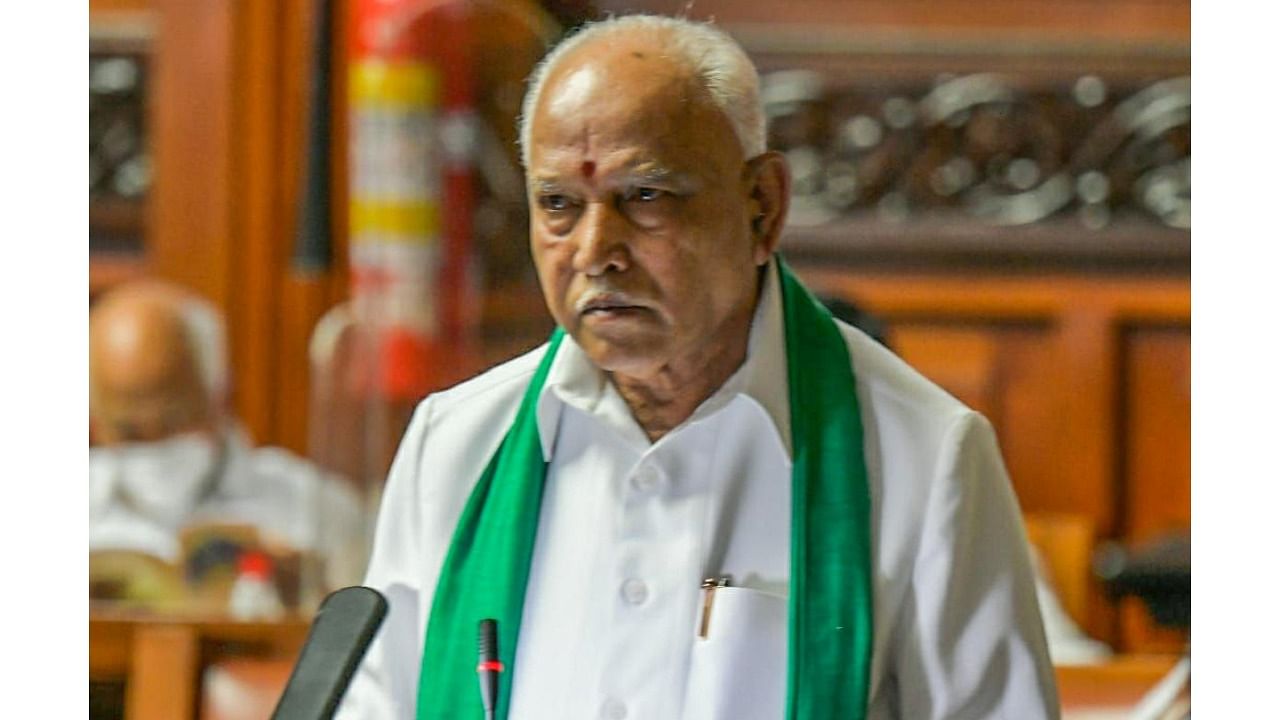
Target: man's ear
[(770, 192)]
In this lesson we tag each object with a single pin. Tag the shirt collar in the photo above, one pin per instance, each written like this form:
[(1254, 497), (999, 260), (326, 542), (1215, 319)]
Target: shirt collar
[(574, 380)]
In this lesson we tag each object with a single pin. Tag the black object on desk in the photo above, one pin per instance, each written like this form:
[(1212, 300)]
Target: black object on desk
[(339, 636), (1158, 572)]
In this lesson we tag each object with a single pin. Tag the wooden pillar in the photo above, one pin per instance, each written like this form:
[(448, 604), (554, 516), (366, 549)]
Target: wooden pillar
[(164, 671), (228, 138)]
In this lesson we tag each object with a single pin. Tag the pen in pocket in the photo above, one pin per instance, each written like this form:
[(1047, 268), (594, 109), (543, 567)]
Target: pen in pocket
[(709, 587)]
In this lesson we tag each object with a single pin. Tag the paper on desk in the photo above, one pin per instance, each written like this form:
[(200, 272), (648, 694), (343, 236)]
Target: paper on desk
[(1097, 714), (1156, 703)]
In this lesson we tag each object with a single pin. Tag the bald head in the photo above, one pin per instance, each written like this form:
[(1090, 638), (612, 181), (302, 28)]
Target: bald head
[(706, 56), (150, 371)]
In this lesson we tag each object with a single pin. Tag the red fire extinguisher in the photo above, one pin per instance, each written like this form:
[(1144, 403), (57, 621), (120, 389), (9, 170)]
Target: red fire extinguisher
[(414, 278)]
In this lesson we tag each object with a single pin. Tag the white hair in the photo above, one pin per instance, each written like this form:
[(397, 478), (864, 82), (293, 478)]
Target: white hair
[(207, 336), (203, 331), (715, 59)]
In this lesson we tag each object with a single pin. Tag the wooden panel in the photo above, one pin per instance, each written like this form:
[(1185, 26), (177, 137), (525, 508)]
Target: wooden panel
[(110, 645), (961, 360), (1113, 687), (1125, 19), (228, 113), (163, 673), (107, 7), (190, 224), (1158, 431), (304, 296), (1033, 381), (1065, 543), (1032, 437), (1157, 458), (1014, 297), (1085, 384), (255, 213), (106, 271), (162, 659)]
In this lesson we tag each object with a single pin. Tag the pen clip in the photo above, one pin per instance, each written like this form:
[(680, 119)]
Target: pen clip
[(709, 587)]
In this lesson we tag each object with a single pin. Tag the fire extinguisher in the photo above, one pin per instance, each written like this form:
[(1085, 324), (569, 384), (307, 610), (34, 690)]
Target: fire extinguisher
[(413, 274)]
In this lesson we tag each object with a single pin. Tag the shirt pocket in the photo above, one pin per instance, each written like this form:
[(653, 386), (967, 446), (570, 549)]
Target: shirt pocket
[(739, 671)]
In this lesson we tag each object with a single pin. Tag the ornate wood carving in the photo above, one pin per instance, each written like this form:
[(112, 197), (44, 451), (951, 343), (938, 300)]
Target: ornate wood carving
[(119, 161), (1094, 165)]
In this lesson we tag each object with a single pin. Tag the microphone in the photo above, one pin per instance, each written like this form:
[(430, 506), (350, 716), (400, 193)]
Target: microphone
[(489, 666), (338, 639)]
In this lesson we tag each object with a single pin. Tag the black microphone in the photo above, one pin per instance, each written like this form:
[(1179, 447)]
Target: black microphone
[(489, 666), (338, 639)]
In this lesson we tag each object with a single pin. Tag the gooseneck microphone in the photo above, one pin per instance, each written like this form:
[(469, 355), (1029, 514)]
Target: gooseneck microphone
[(489, 666), (338, 639)]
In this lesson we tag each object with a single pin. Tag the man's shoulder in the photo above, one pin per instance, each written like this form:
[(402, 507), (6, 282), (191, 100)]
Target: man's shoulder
[(497, 388), (448, 443), (497, 383), (892, 385)]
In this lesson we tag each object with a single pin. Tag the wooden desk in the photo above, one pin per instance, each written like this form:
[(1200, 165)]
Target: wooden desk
[(1096, 691), (161, 658)]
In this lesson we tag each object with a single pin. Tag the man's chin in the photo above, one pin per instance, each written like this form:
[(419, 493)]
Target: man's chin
[(633, 356)]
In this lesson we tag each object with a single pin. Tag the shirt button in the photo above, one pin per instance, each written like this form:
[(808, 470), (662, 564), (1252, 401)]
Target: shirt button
[(647, 479), (635, 591), (614, 710)]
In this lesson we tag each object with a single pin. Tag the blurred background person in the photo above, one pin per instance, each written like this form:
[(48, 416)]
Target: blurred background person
[(167, 456)]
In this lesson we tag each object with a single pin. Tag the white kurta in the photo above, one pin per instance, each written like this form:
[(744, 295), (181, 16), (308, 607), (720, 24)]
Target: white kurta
[(629, 529), (288, 499)]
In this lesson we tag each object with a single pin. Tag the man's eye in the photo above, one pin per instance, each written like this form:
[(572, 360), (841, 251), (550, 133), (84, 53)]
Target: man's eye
[(646, 194), (554, 203)]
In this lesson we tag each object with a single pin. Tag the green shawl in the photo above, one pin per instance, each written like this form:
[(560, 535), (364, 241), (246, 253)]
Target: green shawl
[(830, 624)]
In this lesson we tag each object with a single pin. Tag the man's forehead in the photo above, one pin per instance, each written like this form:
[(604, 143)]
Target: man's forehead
[(633, 138), (637, 165), (607, 86), (625, 109)]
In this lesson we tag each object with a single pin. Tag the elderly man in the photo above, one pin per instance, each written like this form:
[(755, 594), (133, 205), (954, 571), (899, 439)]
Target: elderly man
[(704, 497), (166, 454)]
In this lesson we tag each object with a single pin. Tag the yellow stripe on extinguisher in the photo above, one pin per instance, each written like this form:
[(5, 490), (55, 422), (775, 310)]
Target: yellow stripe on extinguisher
[(413, 221), (385, 83)]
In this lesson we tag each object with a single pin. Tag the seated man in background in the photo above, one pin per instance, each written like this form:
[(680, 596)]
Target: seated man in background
[(165, 453)]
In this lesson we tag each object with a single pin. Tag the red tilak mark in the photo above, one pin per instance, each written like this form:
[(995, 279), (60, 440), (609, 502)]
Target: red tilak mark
[(494, 665), (588, 168)]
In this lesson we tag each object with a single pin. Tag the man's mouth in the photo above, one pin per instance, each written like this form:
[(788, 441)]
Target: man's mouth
[(608, 305)]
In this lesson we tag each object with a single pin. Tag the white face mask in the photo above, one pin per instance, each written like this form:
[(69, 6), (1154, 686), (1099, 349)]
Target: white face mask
[(161, 480)]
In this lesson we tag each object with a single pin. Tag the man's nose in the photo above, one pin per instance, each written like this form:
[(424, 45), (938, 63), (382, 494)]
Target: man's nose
[(601, 241)]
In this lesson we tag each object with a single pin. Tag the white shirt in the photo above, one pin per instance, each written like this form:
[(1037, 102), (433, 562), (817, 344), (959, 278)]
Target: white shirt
[(288, 499), (629, 529)]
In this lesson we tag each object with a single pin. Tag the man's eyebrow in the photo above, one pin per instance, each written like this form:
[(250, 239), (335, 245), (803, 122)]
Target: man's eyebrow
[(658, 175), (639, 174), (546, 185)]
